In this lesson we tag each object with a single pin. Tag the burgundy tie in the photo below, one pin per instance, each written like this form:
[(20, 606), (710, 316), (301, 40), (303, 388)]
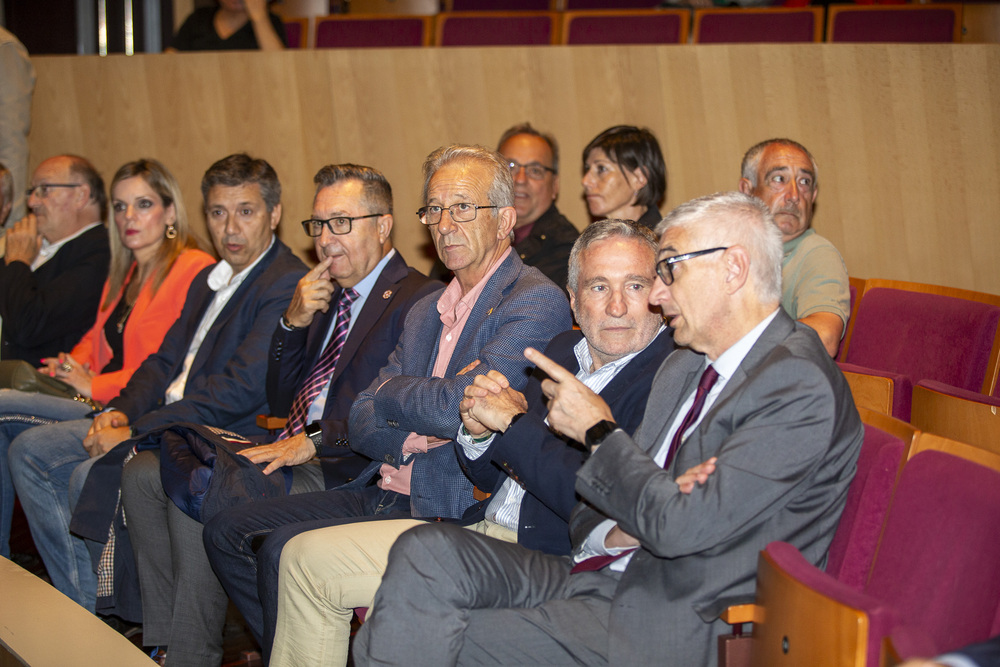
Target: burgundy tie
[(324, 368), (705, 385)]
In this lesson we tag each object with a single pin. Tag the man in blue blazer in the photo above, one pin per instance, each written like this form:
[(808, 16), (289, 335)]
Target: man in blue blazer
[(351, 225), (983, 654), (752, 391), (207, 369), (405, 420)]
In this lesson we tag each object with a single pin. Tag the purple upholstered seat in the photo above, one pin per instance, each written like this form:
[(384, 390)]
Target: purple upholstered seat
[(894, 24), (295, 32), (635, 26), (935, 578), (923, 336), (854, 543), (742, 25), (495, 28), (366, 31), (500, 5), (573, 5)]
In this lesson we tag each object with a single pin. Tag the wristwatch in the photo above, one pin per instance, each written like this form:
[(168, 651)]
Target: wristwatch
[(314, 432), (598, 432)]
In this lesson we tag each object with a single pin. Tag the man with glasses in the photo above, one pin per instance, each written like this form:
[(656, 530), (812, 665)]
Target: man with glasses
[(406, 420), (55, 262), (815, 287), (543, 237), (754, 400), (344, 321)]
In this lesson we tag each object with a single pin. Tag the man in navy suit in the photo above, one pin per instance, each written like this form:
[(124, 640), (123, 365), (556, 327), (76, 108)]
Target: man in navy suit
[(528, 469), (405, 420), (207, 369), (984, 654), (56, 262), (351, 225)]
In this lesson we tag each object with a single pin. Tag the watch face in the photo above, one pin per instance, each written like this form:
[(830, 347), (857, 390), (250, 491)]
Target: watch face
[(600, 430)]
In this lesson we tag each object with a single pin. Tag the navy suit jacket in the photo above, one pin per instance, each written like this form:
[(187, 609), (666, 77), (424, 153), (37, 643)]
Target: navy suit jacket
[(519, 307), (372, 339), (48, 311), (224, 387), (545, 464)]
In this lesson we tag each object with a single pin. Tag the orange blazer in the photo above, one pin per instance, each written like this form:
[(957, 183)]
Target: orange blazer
[(147, 324)]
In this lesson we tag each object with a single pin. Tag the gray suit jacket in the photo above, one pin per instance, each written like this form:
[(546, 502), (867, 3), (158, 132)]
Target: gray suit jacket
[(787, 436)]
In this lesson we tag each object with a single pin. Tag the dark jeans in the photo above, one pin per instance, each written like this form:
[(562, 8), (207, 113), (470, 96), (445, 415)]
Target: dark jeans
[(244, 543)]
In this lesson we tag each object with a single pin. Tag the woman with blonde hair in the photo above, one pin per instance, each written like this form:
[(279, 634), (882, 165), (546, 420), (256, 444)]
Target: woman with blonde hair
[(154, 258)]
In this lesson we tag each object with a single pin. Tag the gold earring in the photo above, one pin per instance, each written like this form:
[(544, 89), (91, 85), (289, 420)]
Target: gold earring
[(171, 232)]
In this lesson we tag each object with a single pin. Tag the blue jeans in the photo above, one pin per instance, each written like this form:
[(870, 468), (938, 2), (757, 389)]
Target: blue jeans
[(249, 572), (19, 412), (42, 460)]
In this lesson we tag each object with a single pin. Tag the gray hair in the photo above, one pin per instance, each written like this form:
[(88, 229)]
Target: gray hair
[(733, 218), (82, 168), (526, 128), (376, 191), (501, 190), (751, 159), (606, 229)]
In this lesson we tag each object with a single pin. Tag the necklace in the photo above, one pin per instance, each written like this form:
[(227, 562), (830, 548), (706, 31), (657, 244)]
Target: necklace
[(124, 318)]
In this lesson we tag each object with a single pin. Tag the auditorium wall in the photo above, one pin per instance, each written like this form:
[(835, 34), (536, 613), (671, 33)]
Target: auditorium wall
[(907, 137)]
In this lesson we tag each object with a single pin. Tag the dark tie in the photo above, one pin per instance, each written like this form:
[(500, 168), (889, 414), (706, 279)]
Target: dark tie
[(705, 385), (324, 368)]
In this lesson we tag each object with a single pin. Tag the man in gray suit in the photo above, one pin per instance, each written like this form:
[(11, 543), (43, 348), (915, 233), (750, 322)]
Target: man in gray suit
[(653, 566)]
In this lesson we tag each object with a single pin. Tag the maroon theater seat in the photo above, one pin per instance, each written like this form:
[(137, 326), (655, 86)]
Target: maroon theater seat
[(370, 30), (500, 6), (496, 28), (743, 25), (295, 32), (894, 23), (636, 26)]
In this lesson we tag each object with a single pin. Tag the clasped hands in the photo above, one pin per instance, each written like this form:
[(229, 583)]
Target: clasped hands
[(79, 376), (23, 241)]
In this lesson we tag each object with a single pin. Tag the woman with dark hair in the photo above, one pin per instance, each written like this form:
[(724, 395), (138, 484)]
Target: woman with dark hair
[(231, 25), (154, 258), (624, 175)]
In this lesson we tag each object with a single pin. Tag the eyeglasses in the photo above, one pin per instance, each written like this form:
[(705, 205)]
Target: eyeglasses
[(461, 212), (534, 171), (665, 267), (43, 188), (336, 226)]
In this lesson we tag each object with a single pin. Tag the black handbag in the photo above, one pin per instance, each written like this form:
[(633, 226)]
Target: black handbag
[(20, 375)]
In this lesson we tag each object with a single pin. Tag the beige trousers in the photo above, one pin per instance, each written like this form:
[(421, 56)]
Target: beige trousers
[(324, 575)]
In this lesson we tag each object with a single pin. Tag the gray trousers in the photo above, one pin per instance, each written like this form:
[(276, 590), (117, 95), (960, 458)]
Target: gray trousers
[(451, 596), (183, 603)]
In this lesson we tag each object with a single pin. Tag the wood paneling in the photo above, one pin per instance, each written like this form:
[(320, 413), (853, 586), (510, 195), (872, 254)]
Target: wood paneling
[(907, 137)]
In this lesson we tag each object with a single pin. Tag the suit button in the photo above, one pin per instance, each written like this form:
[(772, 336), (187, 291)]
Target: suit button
[(389, 458)]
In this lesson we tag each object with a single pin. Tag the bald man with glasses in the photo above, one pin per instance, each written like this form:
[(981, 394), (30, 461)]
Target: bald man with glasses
[(55, 262)]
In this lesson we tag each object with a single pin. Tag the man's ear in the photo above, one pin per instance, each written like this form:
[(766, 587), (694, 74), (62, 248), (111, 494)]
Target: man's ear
[(737, 262), (506, 219), (384, 223), (275, 216), (745, 187)]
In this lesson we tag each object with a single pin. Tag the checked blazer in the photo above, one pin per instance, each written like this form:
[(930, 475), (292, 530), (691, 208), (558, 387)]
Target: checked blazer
[(518, 308)]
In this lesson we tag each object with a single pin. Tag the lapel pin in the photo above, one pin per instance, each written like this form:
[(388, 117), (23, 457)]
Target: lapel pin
[(386, 294)]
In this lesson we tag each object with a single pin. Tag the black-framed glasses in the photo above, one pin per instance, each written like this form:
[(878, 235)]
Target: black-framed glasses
[(665, 267), (460, 212), (336, 226), (43, 188), (532, 170)]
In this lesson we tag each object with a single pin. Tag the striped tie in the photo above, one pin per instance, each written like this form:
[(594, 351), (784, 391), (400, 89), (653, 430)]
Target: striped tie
[(324, 368)]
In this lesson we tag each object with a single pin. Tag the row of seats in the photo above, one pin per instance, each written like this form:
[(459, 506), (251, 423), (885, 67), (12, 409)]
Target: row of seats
[(911, 570), (844, 23)]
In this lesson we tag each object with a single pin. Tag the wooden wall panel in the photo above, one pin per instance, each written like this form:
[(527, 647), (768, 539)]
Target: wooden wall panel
[(907, 137)]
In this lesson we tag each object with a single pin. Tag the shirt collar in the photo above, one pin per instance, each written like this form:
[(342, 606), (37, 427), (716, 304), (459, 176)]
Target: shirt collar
[(730, 360), (586, 359), (46, 250), (222, 275), (448, 304), (367, 284), (788, 247)]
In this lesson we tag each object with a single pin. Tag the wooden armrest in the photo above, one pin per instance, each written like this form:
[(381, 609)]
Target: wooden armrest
[(743, 613), (271, 423)]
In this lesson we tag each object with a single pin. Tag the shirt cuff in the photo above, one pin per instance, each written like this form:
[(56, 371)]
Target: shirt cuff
[(594, 544), (473, 450), (955, 660)]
